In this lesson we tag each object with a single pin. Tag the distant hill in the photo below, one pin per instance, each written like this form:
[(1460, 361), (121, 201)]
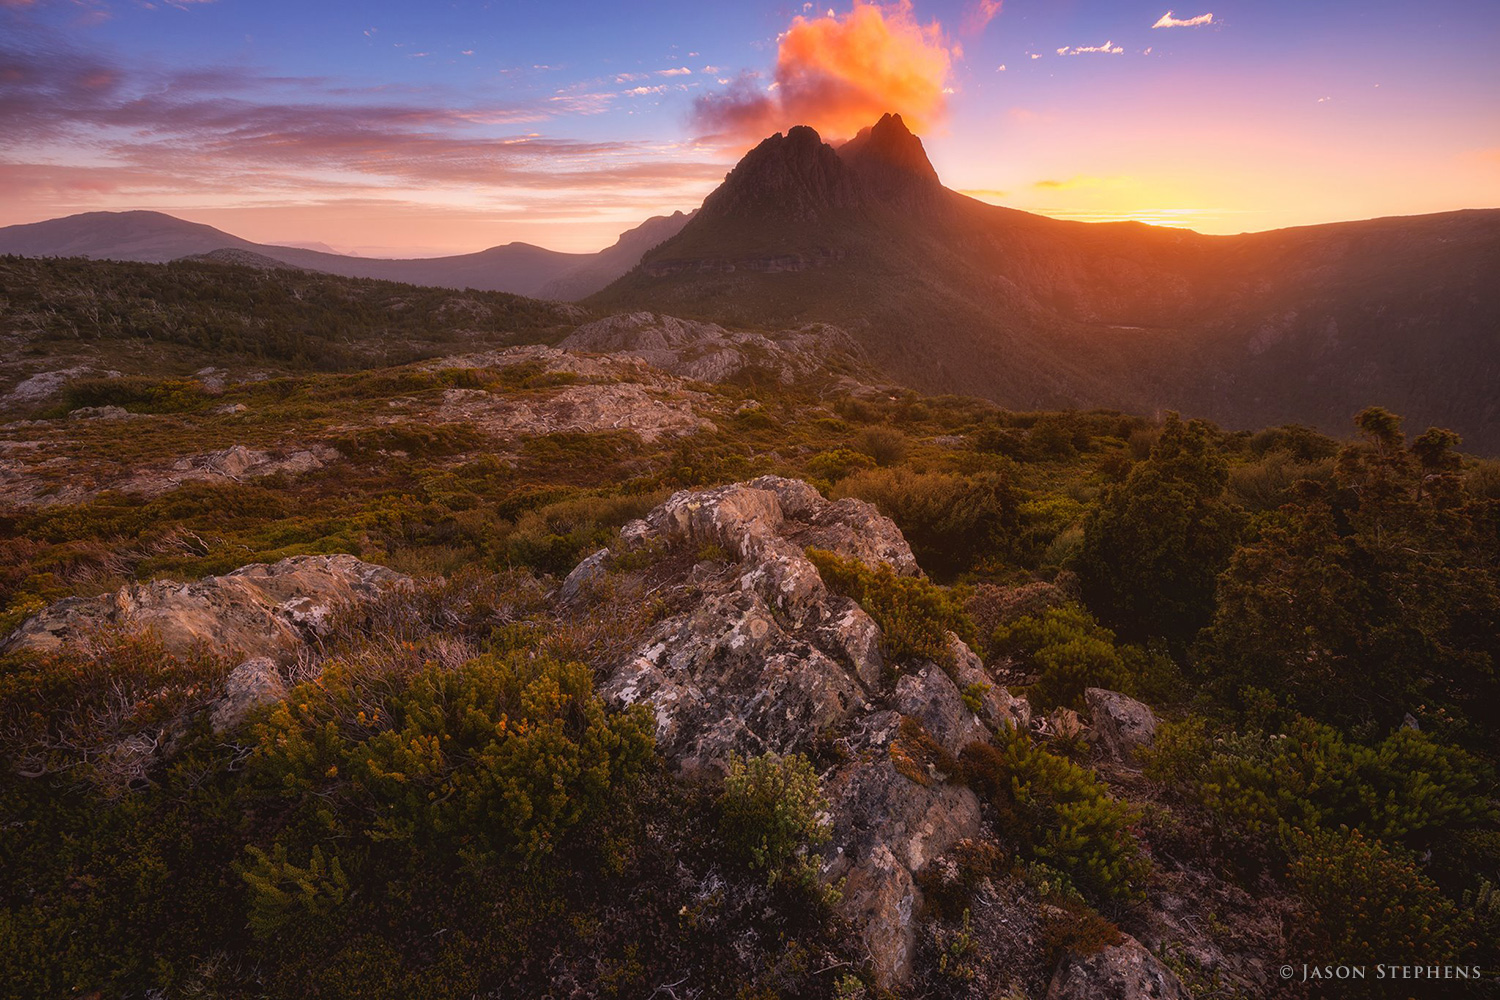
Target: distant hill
[(519, 268), (952, 294)]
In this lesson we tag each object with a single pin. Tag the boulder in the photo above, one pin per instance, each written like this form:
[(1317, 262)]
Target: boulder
[(253, 683), (708, 352), (580, 409), (585, 576), (100, 413), (1126, 971), (998, 708), (930, 696), (1122, 724), (259, 610)]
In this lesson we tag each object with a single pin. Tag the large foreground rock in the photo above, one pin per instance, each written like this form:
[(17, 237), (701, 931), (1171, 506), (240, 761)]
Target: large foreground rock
[(766, 658), (259, 610)]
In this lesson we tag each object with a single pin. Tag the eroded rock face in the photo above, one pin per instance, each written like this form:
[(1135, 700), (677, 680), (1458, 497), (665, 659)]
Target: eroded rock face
[(1126, 971), (768, 659), (258, 610), (1122, 724)]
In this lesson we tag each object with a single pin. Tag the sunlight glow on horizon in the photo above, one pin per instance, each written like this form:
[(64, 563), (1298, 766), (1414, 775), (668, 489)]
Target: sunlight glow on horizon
[(426, 131)]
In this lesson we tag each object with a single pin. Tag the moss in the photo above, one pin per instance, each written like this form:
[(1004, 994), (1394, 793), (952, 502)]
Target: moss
[(920, 758)]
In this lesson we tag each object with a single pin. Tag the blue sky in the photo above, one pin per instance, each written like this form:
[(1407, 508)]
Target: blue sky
[(410, 127)]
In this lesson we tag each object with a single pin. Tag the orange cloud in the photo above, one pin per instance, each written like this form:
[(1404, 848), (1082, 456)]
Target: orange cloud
[(839, 74)]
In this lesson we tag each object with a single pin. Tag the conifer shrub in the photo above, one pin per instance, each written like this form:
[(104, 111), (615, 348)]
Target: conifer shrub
[(1059, 813), (136, 393), (1155, 544), (915, 615), (504, 755), (1372, 904), (954, 523), (1370, 596), (1406, 788), (1070, 650), (771, 815), (831, 466), (279, 889)]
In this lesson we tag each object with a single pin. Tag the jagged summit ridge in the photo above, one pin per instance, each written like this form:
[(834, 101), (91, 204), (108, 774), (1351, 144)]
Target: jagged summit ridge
[(890, 162), (796, 175), (793, 175)]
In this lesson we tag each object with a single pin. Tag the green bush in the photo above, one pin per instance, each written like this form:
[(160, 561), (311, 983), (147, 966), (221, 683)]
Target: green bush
[(886, 445), (1407, 788), (280, 890), (1370, 597), (1373, 904), (552, 538), (1155, 543), (914, 615), (505, 754), (1059, 813), (1069, 649), (831, 466), (135, 393), (953, 523), (771, 814)]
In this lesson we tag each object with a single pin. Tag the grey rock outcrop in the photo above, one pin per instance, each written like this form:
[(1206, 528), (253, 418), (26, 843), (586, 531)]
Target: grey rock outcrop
[(585, 575), (767, 658), (248, 686), (1126, 971), (1122, 724), (258, 610)]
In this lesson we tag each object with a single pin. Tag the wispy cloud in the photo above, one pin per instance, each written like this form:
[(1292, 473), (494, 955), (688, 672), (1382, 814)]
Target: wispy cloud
[(83, 129), (979, 15), (1108, 48), (1168, 21)]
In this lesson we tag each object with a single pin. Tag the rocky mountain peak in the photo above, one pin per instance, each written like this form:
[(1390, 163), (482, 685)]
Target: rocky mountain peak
[(797, 176), (889, 160), (794, 176)]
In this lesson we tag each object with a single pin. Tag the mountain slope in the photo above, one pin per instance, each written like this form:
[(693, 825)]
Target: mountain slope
[(951, 294), (519, 268)]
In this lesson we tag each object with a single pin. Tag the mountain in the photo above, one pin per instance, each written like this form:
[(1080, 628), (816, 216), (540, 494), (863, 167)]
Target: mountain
[(519, 268), (593, 274), (951, 294)]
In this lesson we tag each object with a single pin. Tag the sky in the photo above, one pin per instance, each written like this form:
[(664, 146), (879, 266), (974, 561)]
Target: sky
[(417, 128)]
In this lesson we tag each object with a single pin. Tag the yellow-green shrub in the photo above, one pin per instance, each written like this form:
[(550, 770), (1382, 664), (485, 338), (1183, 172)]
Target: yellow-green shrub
[(505, 754), (770, 814), (914, 615), (1373, 904), (1058, 812)]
